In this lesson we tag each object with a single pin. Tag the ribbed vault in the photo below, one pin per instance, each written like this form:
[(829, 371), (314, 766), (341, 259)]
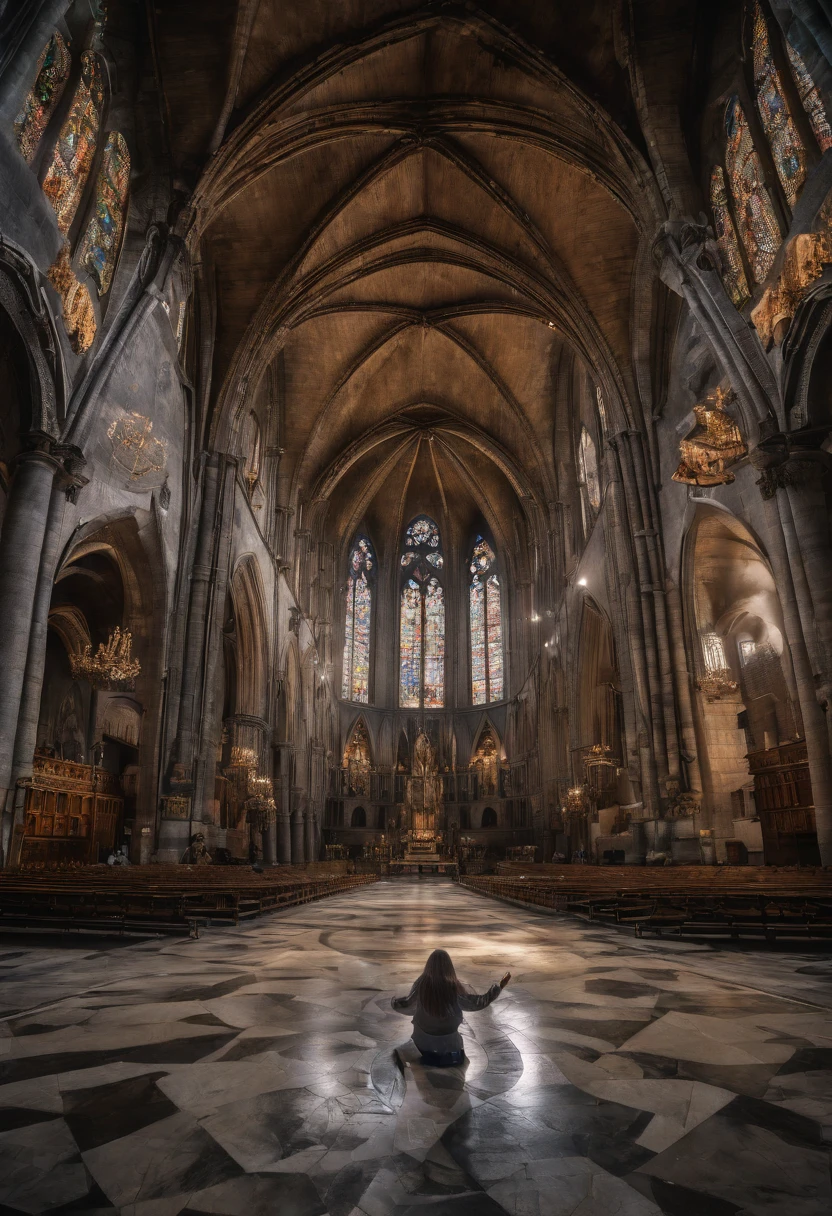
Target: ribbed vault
[(409, 222)]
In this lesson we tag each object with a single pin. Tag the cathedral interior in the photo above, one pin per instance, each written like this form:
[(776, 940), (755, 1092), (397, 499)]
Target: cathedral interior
[(416, 490)]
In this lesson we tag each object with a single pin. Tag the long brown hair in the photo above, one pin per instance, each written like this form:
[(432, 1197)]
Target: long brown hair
[(437, 988)]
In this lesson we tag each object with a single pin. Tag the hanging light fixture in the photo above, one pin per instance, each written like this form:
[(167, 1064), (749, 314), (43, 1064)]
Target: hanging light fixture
[(112, 667)]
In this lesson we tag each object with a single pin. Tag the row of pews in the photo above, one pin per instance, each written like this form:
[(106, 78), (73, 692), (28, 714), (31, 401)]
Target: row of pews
[(172, 898), (706, 902)]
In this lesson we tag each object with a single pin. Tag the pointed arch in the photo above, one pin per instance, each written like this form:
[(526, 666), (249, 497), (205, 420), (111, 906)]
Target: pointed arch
[(422, 617), (358, 758), (43, 97), (358, 621), (101, 242), (787, 150), (485, 617), (757, 222), (253, 638), (74, 151), (588, 480)]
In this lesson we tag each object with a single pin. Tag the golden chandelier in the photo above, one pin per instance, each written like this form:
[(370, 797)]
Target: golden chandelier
[(111, 667)]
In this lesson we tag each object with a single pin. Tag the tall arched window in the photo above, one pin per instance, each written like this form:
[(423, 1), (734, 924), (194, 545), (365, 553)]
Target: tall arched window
[(733, 271), (588, 479), (486, 616), (355, 679), (787, 150), (73, 155), (755, 214), (100, 244), (810, 99), (745, 220), (422, 619), (43, 97)]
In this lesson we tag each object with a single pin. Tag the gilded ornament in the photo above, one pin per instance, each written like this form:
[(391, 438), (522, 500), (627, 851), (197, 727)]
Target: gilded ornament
[(714, 444), (134, 448), (111, 667)]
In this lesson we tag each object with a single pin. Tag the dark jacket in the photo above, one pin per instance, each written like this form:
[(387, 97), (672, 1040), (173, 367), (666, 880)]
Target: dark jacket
[(442, 1034)]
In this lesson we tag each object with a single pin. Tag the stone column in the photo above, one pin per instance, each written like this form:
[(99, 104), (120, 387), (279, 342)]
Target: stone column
[(309, 835), (284, 838), (297, 826), (21, 545), (771, 484), (27, 724), (270, 842)]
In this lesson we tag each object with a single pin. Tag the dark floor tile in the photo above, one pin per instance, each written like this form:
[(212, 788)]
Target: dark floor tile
[(173, 1051), (18, 1116), (260, 1195), (790, 1126), (808, 1059), (93, 1202), (108, 1112), (624, 989), (677, 1200), (462, 1205)]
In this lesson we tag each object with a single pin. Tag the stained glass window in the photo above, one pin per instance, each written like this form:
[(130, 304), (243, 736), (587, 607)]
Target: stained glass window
[(485, 609), (733, 272), (810, 99), (44, 95), (422, 619), (72, 159), (755, 214), (355, 679), (99, 247), (787, 150)]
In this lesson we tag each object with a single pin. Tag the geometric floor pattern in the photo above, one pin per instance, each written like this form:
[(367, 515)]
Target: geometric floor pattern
[(261, 1070)]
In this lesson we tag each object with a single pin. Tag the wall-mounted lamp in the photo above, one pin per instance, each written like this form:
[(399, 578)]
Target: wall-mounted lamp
[(581, 582)]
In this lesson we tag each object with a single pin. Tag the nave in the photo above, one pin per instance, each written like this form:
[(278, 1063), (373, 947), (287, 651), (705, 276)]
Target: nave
[(261, 1070)]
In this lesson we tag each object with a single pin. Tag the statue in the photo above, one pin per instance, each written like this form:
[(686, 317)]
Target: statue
[(196, 854)]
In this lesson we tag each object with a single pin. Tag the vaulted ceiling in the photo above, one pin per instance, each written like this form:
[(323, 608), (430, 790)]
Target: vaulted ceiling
[(416, 217)]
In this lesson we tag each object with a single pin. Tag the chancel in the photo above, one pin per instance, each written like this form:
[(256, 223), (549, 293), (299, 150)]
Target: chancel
[(415, 498)]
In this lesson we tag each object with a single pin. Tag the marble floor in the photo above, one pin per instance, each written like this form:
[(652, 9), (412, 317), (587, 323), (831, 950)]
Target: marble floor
[(261, 1070)]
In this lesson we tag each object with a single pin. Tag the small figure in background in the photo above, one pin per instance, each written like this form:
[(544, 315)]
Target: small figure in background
[(196, 853)]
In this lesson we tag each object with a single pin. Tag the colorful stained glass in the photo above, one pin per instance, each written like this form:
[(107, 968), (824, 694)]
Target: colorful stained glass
[(434, 645), (482, 556), (494, 620), (733, 271), (810, 99), (361, 557), (787, 150), (72, 159), (485, 611), (410, 646), (755, 214), (355, 678), (479, 676), (44, 95), (423, 531), (99, 248), (422, 678)]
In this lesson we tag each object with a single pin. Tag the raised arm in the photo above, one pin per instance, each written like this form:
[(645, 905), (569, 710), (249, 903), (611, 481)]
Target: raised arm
[(404, 1004), (471, 1001)]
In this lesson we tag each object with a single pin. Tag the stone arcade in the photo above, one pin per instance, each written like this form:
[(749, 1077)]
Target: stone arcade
[(415, 465), (409, 376)]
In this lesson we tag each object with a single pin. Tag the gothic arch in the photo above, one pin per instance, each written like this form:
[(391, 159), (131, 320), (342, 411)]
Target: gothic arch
[(253, 638)]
